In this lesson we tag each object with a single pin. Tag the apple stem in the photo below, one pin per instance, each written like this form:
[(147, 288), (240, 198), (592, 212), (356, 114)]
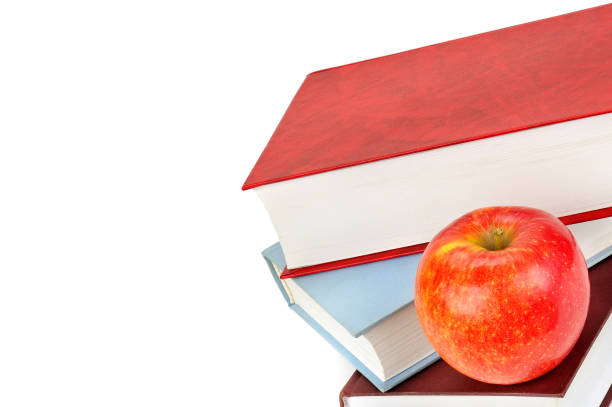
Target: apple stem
[(498, 241)]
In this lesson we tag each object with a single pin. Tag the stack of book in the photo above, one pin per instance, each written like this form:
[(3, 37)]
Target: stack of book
[(372, 159)]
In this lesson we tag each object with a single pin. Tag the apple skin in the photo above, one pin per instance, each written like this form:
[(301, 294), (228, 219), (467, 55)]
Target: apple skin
[(508, 315)]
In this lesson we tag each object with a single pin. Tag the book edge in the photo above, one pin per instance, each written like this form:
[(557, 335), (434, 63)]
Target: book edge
[(268, 254), (510, 27), (382, 385), (569, 383), (419, 248), (346, 389), (254, 184)]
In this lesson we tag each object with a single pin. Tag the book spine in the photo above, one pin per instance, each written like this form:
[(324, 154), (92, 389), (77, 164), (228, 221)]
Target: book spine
[(347, 389), (269, 255)]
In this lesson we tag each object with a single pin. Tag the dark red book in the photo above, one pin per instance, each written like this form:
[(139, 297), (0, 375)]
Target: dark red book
[(371, 159), (607, 401), (582, 379)]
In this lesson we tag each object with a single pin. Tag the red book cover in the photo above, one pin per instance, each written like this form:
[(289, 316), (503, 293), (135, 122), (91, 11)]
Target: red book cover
[(441, 379), (503, 81)]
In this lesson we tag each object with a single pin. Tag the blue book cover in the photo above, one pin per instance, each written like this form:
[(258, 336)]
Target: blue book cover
[(358, 286), (358, 297)]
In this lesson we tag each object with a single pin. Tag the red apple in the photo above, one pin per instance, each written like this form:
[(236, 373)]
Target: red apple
[(502, 293)]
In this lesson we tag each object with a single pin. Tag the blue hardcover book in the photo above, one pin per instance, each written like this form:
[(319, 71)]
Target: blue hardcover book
[(366, 312), (351, 299)]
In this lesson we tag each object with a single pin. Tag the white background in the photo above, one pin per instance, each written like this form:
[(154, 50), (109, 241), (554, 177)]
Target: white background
[(130, 267)]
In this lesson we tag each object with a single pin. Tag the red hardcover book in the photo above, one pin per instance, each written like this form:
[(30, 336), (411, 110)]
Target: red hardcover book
[(502, 105), (571, 380)]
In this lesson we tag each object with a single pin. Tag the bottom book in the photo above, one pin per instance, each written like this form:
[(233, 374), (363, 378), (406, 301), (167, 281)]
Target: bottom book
[(582, 379)]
